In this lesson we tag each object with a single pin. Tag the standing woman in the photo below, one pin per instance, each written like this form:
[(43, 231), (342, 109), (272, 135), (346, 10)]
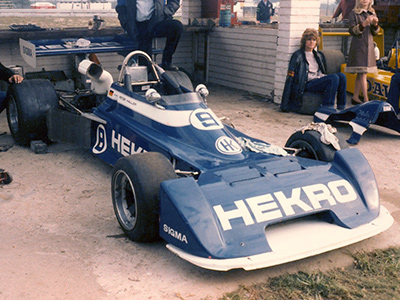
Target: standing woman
[(363, 25)]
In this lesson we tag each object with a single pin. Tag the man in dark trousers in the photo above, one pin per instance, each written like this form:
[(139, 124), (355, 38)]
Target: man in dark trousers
[(7, 75), (394, 93), (144, 20), (265, 10)]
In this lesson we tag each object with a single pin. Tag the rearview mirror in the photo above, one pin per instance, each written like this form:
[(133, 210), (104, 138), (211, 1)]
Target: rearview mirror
[(152, 95)]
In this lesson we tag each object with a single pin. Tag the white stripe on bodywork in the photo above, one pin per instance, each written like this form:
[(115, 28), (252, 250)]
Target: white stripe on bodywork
[(357, 128), (173, 118)]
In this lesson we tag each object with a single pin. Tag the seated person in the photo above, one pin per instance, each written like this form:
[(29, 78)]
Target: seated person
[(7, 75), (394, 92), (307, 73), (146, 20)]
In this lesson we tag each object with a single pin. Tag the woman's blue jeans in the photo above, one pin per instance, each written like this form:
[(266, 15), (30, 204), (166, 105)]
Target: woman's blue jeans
[(330, 85)]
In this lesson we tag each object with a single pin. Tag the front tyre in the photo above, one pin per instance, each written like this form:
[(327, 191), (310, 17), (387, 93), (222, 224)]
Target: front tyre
[(310, 145), (28, 103), (135, 189)]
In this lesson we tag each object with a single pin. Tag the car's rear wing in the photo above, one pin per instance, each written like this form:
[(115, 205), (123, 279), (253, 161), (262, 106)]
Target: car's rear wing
[(49, 47)]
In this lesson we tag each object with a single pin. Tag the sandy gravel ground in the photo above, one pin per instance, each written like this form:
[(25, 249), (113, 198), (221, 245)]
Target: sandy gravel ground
[(60, 238)]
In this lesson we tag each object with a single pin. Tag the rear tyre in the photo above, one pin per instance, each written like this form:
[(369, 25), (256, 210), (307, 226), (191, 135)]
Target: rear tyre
[(310, 145), (135, 189), (28, 103)]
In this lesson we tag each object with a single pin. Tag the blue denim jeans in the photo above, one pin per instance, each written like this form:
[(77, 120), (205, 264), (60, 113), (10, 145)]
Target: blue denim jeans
[(330, 85), (394, 92), (171, 29), (3, 102)]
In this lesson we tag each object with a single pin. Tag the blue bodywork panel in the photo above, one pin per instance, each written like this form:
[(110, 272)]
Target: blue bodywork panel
[(361, 117), (225, 213)]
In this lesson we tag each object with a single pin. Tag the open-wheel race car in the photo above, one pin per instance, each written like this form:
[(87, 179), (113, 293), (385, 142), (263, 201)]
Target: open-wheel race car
[(219, 198)]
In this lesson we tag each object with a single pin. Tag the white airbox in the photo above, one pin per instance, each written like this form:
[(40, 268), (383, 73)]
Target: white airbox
[(101, 80)]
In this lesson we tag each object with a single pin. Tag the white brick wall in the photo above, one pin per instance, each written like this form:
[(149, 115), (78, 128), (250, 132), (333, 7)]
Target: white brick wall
[(294, 17), (190, 9)]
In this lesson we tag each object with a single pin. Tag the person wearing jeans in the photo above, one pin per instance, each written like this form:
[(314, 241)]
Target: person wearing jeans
[(330, 85), (394, 92), (144, 20), (307, 72)]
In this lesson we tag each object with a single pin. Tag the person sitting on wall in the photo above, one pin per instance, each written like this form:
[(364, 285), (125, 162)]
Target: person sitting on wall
[(265, 10), (307, 72), (7, 75), (145, 20)]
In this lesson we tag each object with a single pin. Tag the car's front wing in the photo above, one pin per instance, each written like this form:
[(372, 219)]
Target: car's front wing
[(293, 241)]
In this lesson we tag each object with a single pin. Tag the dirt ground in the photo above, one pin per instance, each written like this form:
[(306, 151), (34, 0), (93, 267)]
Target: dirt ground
[(61, 240)]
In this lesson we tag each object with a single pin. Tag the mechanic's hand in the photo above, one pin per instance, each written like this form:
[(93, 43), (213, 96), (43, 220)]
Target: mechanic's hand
[(16, 79)]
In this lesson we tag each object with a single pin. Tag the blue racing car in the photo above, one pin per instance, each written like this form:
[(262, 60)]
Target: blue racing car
[(219, 198)]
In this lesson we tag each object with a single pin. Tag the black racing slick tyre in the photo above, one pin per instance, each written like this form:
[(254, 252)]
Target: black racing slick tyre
[(135, 186), (28, 103), (334, 59), (310, 145)]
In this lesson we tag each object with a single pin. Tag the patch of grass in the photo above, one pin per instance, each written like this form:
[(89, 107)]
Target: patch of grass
[(374, 275)]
